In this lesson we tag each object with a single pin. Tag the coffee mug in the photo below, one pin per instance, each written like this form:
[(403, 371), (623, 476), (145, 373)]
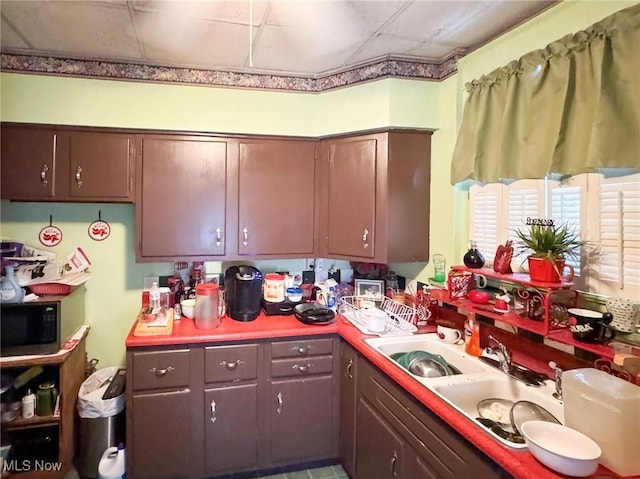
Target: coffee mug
[(448, 335), (591, 326), (626, 314), (481, 281)]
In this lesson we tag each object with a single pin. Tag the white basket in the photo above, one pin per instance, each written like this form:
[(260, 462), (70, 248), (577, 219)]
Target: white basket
[(399, 316)]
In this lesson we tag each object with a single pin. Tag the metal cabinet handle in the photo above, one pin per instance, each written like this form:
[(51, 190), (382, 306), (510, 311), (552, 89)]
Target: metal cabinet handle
[(218, 236), (245, 236), (394, 460), (43, 174), (161, 372), (349, 368), (280, 403), (303, 368), (365, 236), (231, 365), (213, 411), (303, 350), (79, 176)]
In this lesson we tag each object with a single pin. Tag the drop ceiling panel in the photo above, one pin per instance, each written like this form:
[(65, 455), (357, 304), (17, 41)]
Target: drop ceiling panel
[(191, 42), (77, 29), (10, 38), (222, 11), (391, 45)]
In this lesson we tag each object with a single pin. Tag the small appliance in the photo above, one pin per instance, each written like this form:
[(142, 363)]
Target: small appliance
[(243, 286), (41, 326)]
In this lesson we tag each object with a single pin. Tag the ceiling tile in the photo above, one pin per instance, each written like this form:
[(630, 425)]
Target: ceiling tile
[(234, 11), (9, 37), (78, 29), (188, 42)]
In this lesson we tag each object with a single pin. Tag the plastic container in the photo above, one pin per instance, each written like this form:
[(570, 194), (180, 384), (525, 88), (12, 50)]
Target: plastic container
[(273, 288), (10, 290), (29, 405), (606, 409), (472, 336), (113, 463), (206, 310)]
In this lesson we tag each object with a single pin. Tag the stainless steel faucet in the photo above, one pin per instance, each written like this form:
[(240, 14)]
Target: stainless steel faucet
[(504, 356), (557, 377)]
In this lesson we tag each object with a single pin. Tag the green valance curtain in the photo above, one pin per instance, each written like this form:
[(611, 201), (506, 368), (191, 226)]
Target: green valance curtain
[(570, 108)]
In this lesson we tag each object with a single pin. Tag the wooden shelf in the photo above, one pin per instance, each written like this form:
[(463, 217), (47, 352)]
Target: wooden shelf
[(519, 278), (35, 421)]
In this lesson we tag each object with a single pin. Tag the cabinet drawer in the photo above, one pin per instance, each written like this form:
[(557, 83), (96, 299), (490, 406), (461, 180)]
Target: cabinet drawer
[(161, 369), (301, 366), (228, 363), (302, 347)]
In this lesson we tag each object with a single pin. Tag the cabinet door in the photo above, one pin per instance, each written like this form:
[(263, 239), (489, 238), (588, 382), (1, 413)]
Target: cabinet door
[(231, 430), (161, 435), (180, 210), (351, 201), (101, 166), (301, 417), (379, 448), (276, 197), (29, 162), (348, 403)]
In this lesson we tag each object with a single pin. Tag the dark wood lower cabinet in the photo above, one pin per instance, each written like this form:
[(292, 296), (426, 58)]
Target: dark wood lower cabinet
[(348, 403), (161, 435), (379, 447), (301, 419), (231, 430)]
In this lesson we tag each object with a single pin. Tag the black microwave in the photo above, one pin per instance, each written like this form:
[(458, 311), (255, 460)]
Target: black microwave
[(41, 326)]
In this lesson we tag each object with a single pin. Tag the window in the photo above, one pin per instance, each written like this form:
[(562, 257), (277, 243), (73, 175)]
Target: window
[(605, 209)]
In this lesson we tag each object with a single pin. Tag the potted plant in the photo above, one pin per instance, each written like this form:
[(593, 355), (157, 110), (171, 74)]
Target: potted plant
[(549, 246)]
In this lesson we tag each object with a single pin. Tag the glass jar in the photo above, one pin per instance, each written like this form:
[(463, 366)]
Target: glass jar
[(206, 310)]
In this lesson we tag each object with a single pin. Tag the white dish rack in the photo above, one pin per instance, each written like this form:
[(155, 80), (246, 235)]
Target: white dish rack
[(399, 321)]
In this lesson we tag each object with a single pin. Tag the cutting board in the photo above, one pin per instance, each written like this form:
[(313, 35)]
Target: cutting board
[(144, 329)]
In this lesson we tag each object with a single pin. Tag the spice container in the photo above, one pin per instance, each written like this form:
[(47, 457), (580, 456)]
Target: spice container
[(206, 309)]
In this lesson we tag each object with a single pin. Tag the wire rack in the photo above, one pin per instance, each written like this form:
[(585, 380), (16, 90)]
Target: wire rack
[(399, 321)]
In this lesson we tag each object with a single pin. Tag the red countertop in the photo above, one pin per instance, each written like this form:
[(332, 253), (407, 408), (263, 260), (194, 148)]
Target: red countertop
[(519, 463)]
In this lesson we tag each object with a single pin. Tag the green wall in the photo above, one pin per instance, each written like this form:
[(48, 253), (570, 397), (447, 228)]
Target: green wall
[(113, 294)]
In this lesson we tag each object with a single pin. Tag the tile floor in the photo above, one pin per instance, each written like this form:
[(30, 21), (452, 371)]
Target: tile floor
[(326, 472)]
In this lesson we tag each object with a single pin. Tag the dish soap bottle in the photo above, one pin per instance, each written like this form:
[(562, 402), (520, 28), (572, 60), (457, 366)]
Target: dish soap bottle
[(10, 290), (472, 336)]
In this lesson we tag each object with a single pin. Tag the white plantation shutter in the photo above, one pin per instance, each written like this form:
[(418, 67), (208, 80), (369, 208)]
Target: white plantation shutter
[(619, 228), (486, 212), (565, 210), (526, 200)]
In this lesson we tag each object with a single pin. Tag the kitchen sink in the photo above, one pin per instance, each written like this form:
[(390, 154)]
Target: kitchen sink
[(477, 382), (453, 354)]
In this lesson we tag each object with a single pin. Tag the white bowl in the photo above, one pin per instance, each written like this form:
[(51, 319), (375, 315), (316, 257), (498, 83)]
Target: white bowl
[(188, 308), (561, 448)]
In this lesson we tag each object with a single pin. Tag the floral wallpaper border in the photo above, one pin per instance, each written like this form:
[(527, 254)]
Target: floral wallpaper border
[(386, 68)]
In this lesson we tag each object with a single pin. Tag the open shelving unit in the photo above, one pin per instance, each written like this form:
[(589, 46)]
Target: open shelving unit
[(549, 325)]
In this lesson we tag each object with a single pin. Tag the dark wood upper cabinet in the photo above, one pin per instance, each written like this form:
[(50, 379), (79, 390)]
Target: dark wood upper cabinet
[(42, 163), (181, 204), (29, 161), (101, 166), (374, 196), (276, 198)]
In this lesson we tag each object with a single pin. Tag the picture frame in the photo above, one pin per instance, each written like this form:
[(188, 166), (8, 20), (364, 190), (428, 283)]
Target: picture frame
[(370, 289)]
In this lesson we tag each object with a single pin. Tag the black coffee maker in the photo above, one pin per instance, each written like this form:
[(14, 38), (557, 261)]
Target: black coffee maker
[(243, 291)]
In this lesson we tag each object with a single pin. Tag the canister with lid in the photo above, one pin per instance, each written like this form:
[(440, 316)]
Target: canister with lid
[(274, 287), (206, 309)]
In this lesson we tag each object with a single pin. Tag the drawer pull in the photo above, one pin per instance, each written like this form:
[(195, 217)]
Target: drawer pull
[(394, 460), (161, 372), (303, 350), (349, 368), (280, 403), (303, 368), (231, 365), (213, 411)]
